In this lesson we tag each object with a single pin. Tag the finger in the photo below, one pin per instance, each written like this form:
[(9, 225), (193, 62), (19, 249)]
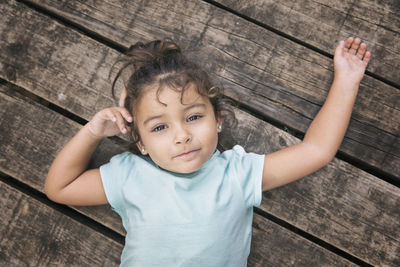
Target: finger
[(126, 114), (122, 98), (120, 122), (109, 115), (367, 57), (340, 47), (361, 51), (354, 46), (348, 43)]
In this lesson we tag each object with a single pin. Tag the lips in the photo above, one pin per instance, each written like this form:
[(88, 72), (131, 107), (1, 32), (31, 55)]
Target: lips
[(187, 154)]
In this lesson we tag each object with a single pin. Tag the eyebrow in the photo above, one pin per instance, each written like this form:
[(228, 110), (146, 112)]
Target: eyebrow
[(194, 106), (151, 118), (185, 109)]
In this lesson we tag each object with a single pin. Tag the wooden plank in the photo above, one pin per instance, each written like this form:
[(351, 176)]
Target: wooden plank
[(278, 78), (33, 234), (272, 248), (319, 229), (340, 204), (323, 23), (32, 134)]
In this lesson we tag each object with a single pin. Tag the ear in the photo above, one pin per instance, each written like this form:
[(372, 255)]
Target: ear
[(141, 148), (139, 144), (219, 122)]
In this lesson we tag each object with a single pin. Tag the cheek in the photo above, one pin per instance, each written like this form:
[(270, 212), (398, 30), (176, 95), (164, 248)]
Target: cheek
[(207, 134), (152, 141), (157, 144)]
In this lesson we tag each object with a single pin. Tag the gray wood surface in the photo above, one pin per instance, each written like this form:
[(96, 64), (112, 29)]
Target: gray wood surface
[(279, 79), (273, 246), (323, 23), (33, 234), (340, 204), (28, 161), (32, 135), (325, 204)]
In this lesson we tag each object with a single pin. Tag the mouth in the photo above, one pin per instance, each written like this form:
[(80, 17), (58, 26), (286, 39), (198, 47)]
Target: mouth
[(187, 154)]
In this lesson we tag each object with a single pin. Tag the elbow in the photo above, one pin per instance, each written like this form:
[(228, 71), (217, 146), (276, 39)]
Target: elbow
[(53, 196), (322, 155), (326, 157), (50, 191)]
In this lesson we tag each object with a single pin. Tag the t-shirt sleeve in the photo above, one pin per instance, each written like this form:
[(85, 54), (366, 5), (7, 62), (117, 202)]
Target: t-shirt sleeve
[(248, 169), (113, 175)]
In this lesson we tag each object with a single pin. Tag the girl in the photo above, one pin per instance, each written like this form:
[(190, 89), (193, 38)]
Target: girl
[(182, 202)]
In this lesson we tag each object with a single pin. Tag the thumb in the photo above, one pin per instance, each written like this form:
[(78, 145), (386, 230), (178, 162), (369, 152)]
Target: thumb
[(340, 48)]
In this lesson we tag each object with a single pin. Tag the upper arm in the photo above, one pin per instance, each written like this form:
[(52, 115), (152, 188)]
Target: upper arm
[(86, 190), (292, 163)]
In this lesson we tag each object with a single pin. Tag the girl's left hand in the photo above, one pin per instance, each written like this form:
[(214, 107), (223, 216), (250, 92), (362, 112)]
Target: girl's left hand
[(350, 60)]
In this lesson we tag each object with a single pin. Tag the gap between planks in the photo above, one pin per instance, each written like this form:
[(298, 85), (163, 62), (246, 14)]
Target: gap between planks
[(385, 176), (110, 233), (71, 213), (294, 39)]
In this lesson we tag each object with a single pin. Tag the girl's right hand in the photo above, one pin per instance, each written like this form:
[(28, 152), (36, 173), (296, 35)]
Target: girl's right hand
[(110, 122)]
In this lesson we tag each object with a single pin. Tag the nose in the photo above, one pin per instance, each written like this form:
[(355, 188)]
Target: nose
[(182, 135)]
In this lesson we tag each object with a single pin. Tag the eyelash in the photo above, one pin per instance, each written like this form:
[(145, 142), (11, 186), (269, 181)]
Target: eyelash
[(159, 128), (194, 116), (190, 119)]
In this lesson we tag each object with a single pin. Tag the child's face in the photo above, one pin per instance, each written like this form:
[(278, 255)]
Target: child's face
[(179, 136)]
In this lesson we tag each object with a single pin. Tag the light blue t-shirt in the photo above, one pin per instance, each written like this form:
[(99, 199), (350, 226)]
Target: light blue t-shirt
[(199, 219)]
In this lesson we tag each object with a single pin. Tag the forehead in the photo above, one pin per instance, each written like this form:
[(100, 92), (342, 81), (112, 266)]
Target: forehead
[(154, 99)]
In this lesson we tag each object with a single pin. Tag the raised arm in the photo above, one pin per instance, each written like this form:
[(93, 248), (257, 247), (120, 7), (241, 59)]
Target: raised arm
[(68, 181), (326, 132)]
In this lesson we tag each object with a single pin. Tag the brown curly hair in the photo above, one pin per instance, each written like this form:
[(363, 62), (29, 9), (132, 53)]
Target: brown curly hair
[(161, 63)]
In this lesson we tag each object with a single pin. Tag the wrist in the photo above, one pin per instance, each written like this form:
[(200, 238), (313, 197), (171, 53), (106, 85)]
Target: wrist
[(345, 84), (342, 92), (349, 77), (88, 129)]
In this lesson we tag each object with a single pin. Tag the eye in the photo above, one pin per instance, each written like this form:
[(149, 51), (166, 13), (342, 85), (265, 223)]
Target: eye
[(159, 128), (194, 117)]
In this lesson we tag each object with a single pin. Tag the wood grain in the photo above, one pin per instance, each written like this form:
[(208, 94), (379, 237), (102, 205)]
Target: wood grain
[(55, 62), (323, 23), (271, 75), (47, 131), (271, 248), (340, 204), (32, 135), (33, 234)]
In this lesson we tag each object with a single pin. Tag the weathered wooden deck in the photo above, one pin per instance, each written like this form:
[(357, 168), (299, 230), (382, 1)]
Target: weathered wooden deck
[(54, 62)]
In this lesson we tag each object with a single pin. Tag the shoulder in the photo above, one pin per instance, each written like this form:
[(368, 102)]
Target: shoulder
[(122, 164), (127, 158), (236, 152), (240, 160), (247, 169), (123, 157), (116, 173)]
